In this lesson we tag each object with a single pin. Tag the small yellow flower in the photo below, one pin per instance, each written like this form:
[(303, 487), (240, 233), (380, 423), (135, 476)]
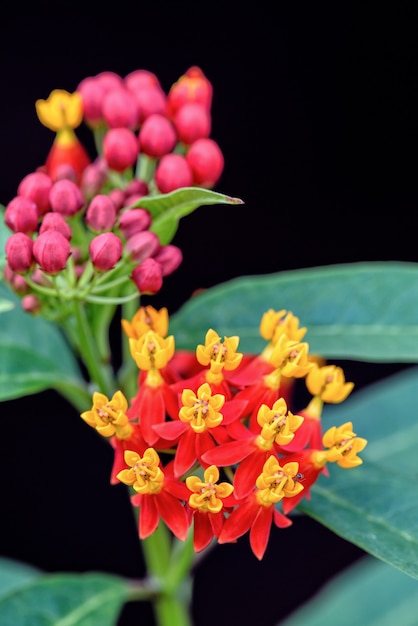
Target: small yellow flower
[(144, 473), (343, 445), (219, 355), (109, 417), (290, 357), (201, 411), (328, 382), (277, 423), (151, 350), (276, 482), (145, 319), (62, 110), (276, 323), (207, 495)]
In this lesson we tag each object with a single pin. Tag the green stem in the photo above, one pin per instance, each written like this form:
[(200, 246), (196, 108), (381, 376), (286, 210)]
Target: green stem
[(99, 373), (172, 604), (76, 395)]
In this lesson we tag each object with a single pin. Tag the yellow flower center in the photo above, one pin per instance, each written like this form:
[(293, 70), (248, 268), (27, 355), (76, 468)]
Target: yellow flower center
[(207, 495), (276, 482), (109, 417), (144, 473), (201, 412)]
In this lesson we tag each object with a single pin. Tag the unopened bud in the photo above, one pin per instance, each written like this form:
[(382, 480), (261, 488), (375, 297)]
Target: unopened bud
[(15, 280), (19, 252), (51, 250), (66, 198), (192, 121), (169, 257), (120, 109), (21, 215), (118, 198), (31, 303), (137, 187), (36, 186), (93, 178), (55, 221), (157, 136), (120, 148), (150, 99), (193, 86), (101, 213), (134, 221), (142, 245), (206, 162), (172, 172), (148, 276), (105, 251)]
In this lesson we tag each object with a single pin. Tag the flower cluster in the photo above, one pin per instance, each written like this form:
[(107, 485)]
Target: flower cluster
[(209, 441), (78, 228)]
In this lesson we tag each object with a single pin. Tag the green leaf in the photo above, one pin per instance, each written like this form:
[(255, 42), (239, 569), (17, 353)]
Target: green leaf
[(6, 305), (360, 311), (167, 209), (5, 233), (14, 575), (368, 592), (375, 505), (34, 354), (66, 600)]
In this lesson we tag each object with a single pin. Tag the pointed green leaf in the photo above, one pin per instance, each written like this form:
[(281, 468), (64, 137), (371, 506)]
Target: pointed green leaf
[(360, 311), (14, 575), (168, 209), (375, 505), (368, 592), (66, 600), (34, 354)]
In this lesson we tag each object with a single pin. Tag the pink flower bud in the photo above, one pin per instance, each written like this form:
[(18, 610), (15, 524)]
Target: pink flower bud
[(19, 252), (134, 221), (15, 280), (93, 177), (137, 187), (21, 215), (157, 136), (36, 186), (172, 172), (206, 162), (51, 250), (66, 198), (142, 245), (109, 81), (31, 303), (65, 171), (101, 213), (120, 148), (192, 121), (149, 99), (118, 198), (120, 109), (148, 276), (193, 86), (105, 251), (138, 79), (92, 92), (169, 257), (55, 221)]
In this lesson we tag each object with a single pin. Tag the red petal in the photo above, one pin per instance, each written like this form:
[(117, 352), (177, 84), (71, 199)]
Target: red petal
[(185, 453), (233, 410), (171, 430), (230, 453), (173, 513), (281, 520), (203, 533), (240, 520), (260, 531), (149, 407), (248, 471), (148, 516)]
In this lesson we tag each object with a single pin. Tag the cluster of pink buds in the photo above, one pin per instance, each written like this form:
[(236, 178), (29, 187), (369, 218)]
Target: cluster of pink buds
[(78, 229)]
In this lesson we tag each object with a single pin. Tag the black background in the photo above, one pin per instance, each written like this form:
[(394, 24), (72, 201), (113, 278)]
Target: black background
[(315, 109)]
